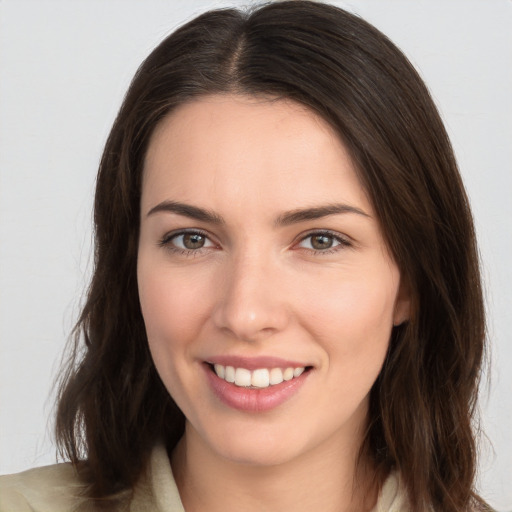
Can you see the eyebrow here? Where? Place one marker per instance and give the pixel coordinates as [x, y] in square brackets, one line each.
[285, 219]
[304, 214]
[187, 210]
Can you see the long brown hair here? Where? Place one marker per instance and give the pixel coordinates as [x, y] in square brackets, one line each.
[112, 405]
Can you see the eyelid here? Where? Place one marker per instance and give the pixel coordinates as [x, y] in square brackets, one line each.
[344, 240]
[166, 240]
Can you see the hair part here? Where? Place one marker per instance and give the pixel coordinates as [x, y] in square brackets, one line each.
[112, 405]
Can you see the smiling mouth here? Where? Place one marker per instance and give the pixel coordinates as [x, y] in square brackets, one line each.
[260, 378]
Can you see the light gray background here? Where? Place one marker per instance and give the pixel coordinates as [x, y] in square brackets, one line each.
[64, 67]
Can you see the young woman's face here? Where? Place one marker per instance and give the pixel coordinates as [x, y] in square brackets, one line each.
[261, 260]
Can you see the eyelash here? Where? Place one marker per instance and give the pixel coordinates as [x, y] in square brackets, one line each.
[342, 242]
[166, 242]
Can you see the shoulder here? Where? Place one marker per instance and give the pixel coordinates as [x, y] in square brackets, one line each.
[59, 488]
[393, 495]
[50, 488]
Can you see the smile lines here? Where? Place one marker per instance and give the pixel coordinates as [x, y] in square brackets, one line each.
[260, 378]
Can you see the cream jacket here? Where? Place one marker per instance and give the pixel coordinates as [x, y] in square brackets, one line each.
[57, 489]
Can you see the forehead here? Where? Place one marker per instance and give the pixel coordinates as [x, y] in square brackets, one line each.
[234, 148]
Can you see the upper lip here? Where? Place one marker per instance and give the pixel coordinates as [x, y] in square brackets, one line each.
[254, 363]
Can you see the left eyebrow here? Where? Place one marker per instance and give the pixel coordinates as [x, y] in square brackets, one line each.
[318, 212]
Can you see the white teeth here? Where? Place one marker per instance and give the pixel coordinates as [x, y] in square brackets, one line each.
[297, 372]
[276, 376]
[260, 378]
[288, 374]
[219, 370]
[242, 377]
[229, 374]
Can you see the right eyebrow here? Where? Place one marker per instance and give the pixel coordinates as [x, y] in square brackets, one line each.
[187, 210]
[317, 212]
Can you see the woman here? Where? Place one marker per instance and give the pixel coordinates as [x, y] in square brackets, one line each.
[286, 306]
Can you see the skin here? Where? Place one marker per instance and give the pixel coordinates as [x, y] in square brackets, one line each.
[259, 287]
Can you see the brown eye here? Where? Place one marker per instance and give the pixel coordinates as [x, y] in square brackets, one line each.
[190, 241]
[193, 240]
[322, 242]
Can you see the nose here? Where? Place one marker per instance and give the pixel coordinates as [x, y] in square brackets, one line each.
[251, 304]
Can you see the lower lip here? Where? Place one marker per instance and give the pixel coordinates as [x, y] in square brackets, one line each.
[254, 400]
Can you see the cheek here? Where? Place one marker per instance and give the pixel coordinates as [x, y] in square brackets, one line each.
[173, 308]
[355, 304]
[352, 319]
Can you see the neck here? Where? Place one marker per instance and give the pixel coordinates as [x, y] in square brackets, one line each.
[321, 479]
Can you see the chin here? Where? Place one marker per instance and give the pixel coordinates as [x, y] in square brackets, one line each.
[257, 445]
[259, 454]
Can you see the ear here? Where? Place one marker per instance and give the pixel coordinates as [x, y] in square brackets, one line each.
[402, 310]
